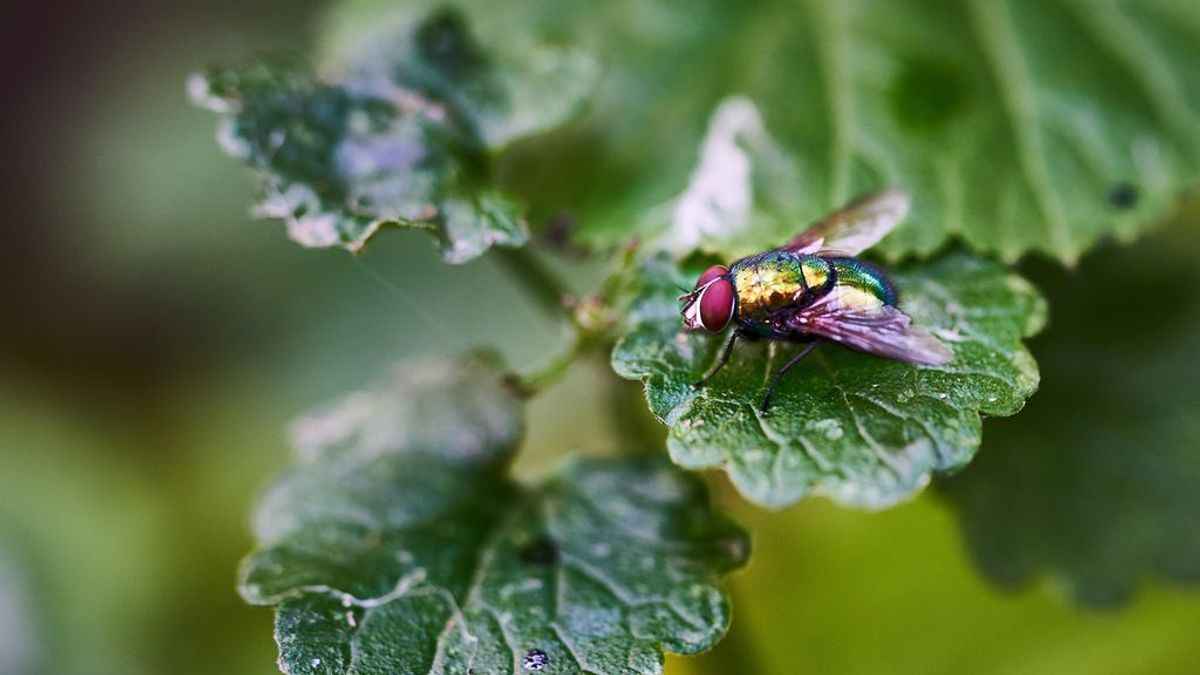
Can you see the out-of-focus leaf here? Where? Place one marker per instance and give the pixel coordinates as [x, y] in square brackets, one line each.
[402, 546]
[499, 95]
[20, 640]
[743, 178]
[1018, 125]
[1096, 486]
[457, 411]
[402, 132]
[833, 590]
[864, 430]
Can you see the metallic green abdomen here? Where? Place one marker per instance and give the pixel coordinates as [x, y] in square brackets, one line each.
[859, 277]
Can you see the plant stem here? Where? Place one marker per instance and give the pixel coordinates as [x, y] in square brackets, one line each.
[543, 285]
[589, 317]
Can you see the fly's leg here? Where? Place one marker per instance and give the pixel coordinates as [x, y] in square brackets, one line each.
[720, 362]
[779, 373]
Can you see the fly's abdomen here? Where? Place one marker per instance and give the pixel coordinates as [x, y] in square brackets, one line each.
[860, 285]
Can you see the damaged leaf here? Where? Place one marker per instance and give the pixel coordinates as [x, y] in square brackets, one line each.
[402, 133]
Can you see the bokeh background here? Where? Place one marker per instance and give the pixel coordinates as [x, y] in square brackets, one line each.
[155, 341]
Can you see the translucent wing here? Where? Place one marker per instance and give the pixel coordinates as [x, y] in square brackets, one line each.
[855, 227]
[882, 330]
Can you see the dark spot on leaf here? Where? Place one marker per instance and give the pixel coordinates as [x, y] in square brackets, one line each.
[927, 95]
[542, 551]
[536, 659]
[1123, 196]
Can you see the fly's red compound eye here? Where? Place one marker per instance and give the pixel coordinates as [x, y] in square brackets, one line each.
[710, 274]
[716, 305]
[710, 306]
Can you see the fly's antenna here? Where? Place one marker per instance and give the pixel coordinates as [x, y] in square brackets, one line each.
[407, 299]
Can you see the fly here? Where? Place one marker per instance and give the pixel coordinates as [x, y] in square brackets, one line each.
[813, 289]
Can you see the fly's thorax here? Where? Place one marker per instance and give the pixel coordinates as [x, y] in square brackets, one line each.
[772, 281]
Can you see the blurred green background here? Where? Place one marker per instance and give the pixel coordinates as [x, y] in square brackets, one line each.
[156, 341]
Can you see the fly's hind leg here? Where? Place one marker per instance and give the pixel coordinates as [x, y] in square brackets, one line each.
[779, 373]
[720, 362]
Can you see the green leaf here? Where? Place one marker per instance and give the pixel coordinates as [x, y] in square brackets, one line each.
[863, 430]
[1017, 125]
[19, 613]
[499, 96]
[401, 132]
[402, 546]
[1095, 488]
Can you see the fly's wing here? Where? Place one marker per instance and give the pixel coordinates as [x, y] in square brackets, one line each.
[882, 330]
[855, 227]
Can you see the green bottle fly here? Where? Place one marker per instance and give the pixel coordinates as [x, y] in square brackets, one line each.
[813, 289]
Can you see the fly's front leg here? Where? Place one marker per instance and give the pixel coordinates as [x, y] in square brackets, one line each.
[720, 362]
[779, 373]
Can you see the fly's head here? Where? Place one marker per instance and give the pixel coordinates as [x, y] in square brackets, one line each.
[710, 306]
